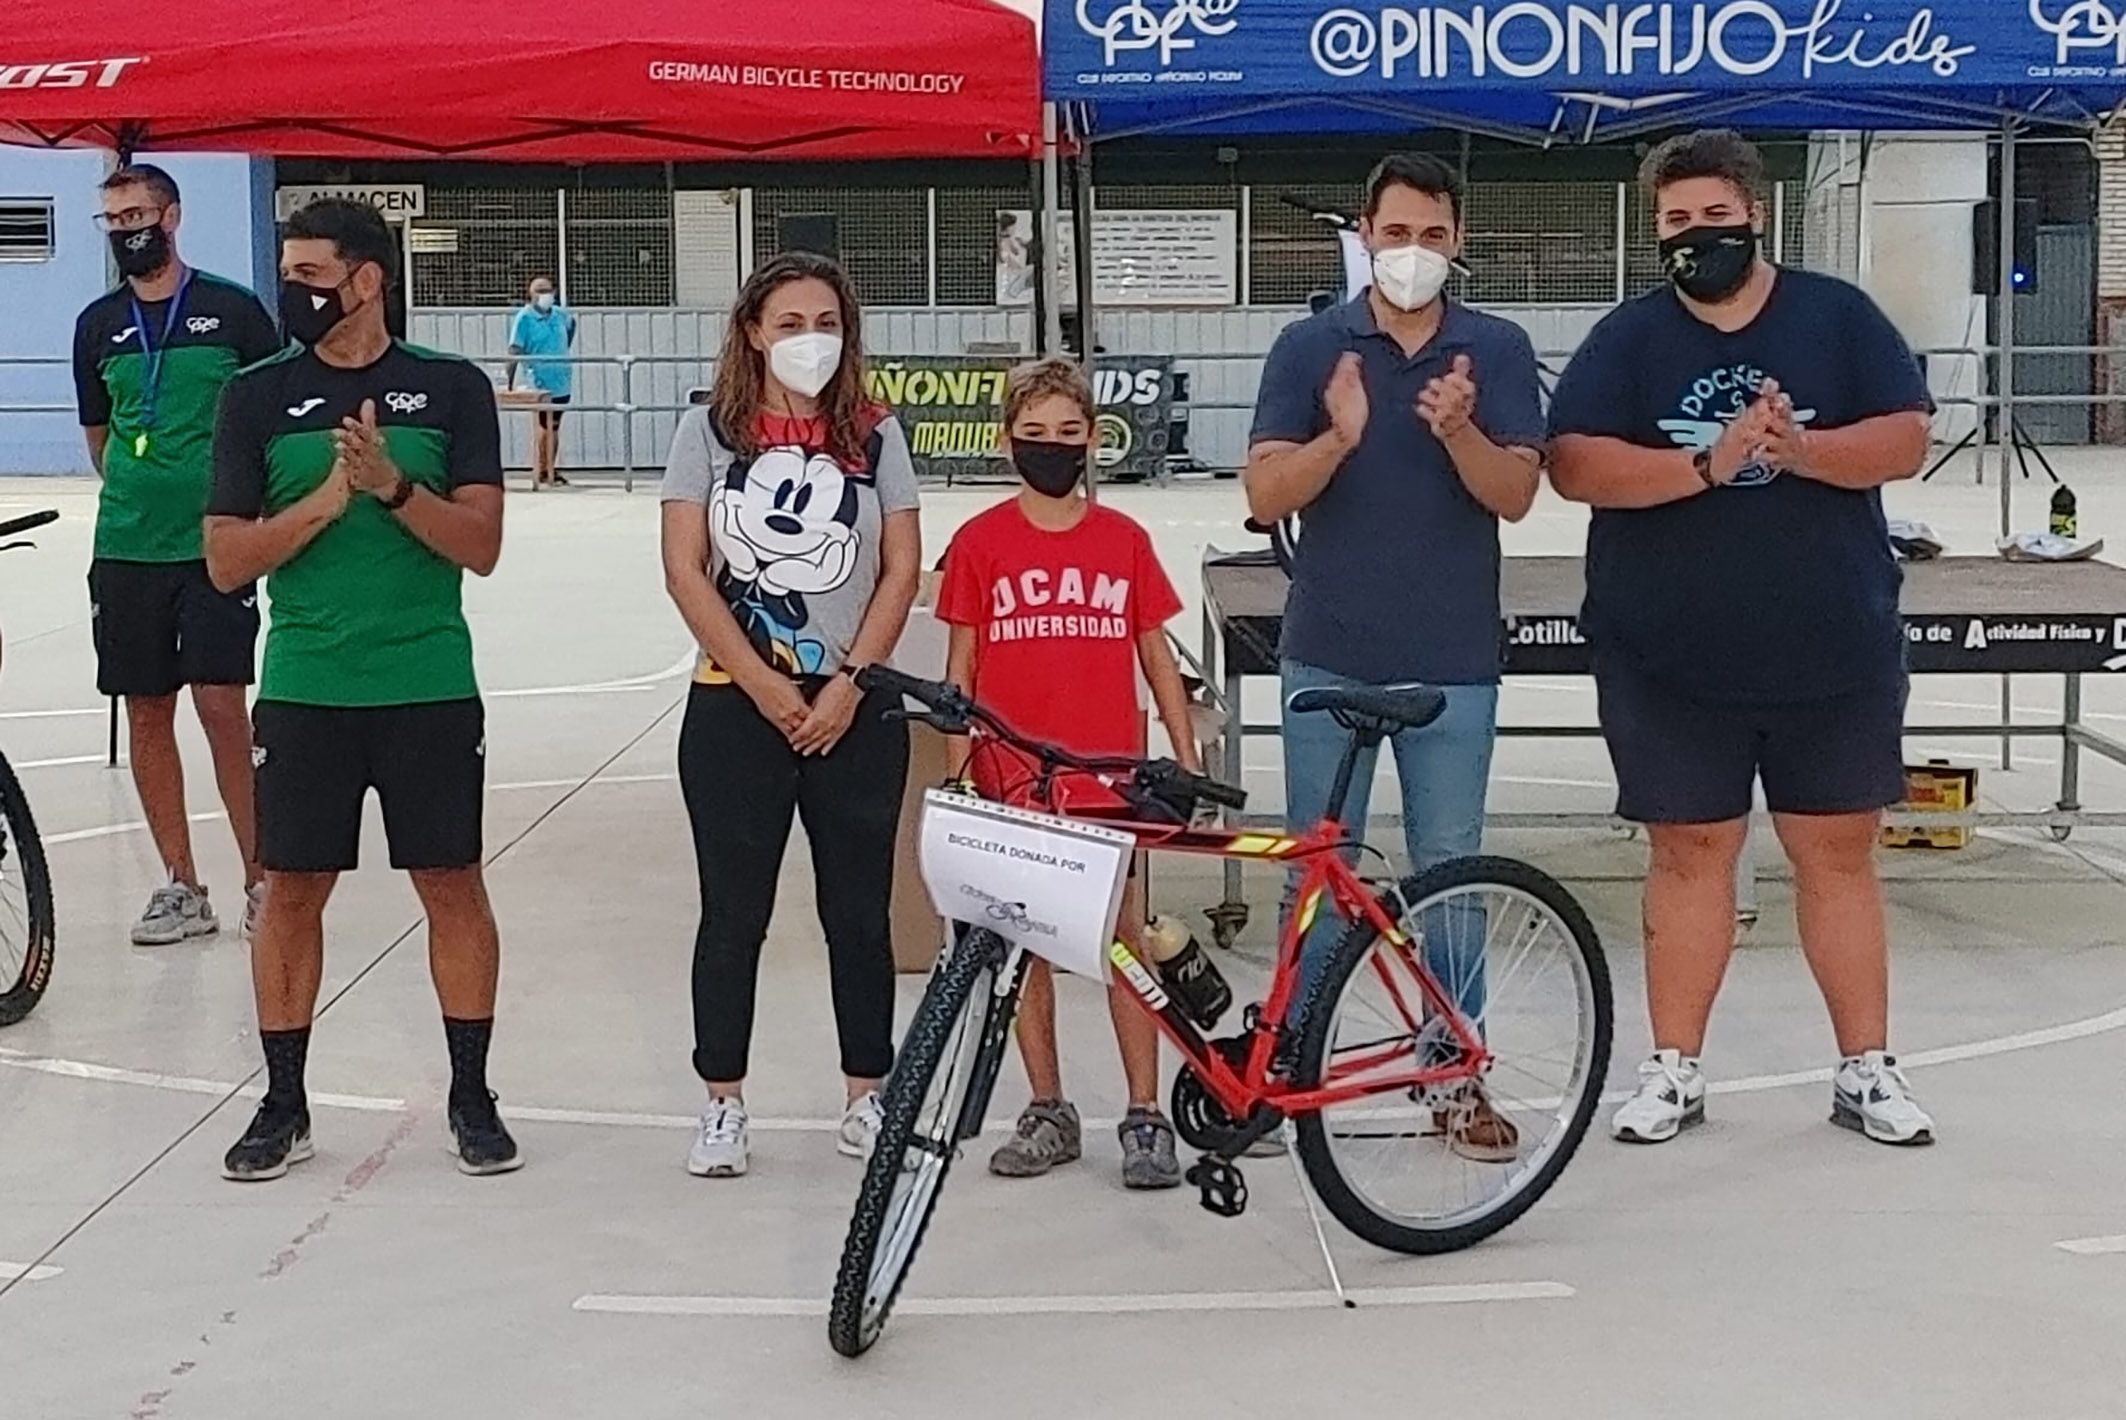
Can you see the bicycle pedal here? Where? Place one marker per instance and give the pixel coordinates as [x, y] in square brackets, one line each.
[1221, 1187]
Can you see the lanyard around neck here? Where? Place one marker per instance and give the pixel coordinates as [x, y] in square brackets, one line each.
[155, 351]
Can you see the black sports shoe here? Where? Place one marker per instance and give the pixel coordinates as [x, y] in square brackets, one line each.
[479, 1139]
[278, 1137]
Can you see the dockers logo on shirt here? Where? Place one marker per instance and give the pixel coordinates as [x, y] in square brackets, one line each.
[1037, 605]
[1710, 403]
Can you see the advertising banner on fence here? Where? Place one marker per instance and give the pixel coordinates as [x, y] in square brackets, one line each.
[1050, 885]
[952, 405]
[1184, 257]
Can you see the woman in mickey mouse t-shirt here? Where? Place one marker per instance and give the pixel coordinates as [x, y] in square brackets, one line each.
[792, 548]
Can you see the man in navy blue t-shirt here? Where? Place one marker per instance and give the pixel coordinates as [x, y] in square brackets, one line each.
[1401, 427]
[1732, 432]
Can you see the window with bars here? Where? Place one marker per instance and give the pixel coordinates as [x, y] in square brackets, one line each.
[1291, 253]
[967, 241]
[25, 229]
[619, 246]
[1541, 243]
[498, 239]
[882, 234]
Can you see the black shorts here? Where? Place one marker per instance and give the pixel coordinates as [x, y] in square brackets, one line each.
[317, 763]
[551, 418]
[161, 626]
[1681, 760]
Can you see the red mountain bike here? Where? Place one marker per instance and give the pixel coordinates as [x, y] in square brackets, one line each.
[1472, 993]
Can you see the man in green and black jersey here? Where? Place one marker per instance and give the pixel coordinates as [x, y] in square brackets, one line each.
[362, 477]
[150, 360]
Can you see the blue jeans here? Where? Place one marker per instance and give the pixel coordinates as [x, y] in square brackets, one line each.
[1444, 770]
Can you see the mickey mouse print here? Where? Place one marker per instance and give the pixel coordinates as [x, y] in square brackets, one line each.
[793, 533]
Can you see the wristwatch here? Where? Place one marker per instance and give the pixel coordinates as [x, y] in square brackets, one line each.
[851, 671]
[399, 495]
[1702, 462]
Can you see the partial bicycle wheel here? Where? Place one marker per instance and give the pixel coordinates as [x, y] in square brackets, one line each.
[933, 1102]
[1439, 1169]
[26, 926]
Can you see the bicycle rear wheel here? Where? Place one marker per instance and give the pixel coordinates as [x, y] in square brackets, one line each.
[933, 1101]
[1408, 1169]
[26, 926]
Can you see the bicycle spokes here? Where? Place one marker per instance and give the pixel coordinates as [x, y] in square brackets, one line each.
[1468, 1031]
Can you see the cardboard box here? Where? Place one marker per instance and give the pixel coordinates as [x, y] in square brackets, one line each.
[918, 931]
[1935, 787]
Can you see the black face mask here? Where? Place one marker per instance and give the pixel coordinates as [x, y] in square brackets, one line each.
[308, 313]
[1710, 264]
[142, 251]
[1049, 469]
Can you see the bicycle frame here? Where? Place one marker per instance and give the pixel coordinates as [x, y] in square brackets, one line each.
[1326, 879]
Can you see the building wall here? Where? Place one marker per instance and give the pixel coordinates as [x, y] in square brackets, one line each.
[1914, 241]
[2110, 419]
[227, 229]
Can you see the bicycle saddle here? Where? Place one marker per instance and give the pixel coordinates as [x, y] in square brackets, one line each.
[1406, 707]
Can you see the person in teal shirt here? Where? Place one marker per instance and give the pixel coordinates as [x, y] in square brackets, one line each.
[544, 327]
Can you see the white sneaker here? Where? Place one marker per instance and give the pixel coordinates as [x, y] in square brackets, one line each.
[1869, 1094]
[175, 912]
[1671, 1098]
[861, 1122]
[254, 904]
[720, 1147]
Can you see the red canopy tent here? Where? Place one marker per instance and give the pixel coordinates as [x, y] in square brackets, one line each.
[531, 80]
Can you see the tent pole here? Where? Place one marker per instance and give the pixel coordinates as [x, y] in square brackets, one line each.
[1051, 235]
[1082, 276]
[2005, 322]
[2004, 433]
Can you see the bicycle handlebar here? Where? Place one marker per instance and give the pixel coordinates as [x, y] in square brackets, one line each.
[32, 520]
[952, 710]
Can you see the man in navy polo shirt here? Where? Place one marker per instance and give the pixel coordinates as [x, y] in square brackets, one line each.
[1401, 427]
[1733, 431]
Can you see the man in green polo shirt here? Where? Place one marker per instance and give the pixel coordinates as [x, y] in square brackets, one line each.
[362, 477]
[150, 360]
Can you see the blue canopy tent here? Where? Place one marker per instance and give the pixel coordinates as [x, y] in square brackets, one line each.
[1549, 72]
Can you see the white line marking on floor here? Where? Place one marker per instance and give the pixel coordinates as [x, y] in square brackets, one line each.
[57, 763]
[627, 1119]
[51, 714]
[2093, 1247]
[1555, 783]
[82, 835]
[10, 1271]
[1122, 1303]
[682, 666]
[679, 667]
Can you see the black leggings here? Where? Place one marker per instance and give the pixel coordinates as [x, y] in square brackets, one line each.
[741, 780]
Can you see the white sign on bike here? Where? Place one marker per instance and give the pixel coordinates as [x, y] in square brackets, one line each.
[1050, 885]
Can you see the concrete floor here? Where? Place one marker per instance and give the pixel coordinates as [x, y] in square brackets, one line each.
[1767, 1265]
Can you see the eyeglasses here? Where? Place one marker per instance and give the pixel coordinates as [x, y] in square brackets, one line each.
[130, 219]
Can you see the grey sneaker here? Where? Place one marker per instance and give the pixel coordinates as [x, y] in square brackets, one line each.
[175, 911]
[1148, 1151]
[1047, 1135]
[254, 904]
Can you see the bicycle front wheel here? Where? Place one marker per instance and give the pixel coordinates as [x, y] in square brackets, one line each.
[1443, 1166]
[932, 1102]
[26, 930]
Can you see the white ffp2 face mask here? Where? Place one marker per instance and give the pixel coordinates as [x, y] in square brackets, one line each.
[1411, 277]
[806, 363]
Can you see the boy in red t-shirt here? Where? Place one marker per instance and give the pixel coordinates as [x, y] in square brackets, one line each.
[1056, 606]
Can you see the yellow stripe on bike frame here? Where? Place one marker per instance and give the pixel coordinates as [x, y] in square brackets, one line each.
[1307, 910]
[1260, 845]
